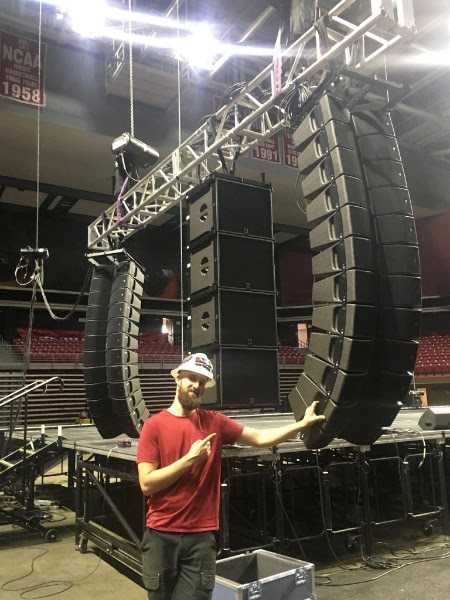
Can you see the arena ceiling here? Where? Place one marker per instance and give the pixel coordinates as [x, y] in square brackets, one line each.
[422, 116]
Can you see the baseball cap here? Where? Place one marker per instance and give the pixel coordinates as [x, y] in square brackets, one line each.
[197, 363]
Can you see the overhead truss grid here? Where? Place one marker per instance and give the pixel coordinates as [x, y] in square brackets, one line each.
[255, 113]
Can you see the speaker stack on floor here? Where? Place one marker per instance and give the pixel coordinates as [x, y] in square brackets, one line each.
[232, 290]
[111, 372]
[366, 290]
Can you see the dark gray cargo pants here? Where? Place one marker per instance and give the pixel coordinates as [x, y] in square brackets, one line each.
[179, 566]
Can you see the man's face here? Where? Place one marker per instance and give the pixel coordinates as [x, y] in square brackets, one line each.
[190, 389]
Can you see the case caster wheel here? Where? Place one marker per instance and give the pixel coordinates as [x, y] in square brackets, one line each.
[82, 545]
[428, 529]
[50, 535]
[351, 542]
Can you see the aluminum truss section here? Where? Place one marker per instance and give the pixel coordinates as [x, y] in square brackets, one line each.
[254, 114]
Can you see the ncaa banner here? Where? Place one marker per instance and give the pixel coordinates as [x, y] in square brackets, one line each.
[19, 69]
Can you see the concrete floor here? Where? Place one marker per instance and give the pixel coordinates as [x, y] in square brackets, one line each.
[87, 576]
[428, 580]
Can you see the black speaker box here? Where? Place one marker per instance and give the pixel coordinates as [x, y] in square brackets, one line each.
[95, 376]
[435, 417]
[235, 262]
[366, 290]
[344, 190]
[234, 318]
[328, 108]
[245, 378]
[229, 205]
[122, 332]
[339, 162]
[351, 253]
[349, 220]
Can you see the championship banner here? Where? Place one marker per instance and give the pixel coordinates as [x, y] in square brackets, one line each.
[19, 69]
[290, 154]
[268, 150]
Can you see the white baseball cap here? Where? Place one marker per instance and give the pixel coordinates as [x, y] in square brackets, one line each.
[196, 363]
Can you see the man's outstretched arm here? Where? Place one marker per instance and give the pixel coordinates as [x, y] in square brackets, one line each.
[271, 437]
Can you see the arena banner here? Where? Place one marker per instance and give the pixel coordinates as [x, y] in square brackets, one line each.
[267, 150]
[19, 69]
[290, 154]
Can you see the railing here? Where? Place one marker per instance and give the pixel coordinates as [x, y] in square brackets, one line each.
[29, 388]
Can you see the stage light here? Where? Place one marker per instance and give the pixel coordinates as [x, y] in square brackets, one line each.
[85, 10]
[135, 151]
[196, 45]
[199, 50]
[431, 58]
[88, 17]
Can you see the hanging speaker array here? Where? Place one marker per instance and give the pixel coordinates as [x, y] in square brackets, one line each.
[111, 373]
[366, 290]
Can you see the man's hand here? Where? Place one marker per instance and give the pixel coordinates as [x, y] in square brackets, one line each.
[310, 417]
[200, 450]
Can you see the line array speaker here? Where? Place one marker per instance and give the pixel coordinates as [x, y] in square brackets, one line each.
[366, 290]
[232, 289]
[111, 374]
[98, 399]
[122, 332]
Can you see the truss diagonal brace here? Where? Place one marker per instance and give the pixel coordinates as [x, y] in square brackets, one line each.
[253, 115]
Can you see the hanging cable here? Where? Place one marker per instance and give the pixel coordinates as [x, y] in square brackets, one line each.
[130, 52]
[23, 269]
[179, 183]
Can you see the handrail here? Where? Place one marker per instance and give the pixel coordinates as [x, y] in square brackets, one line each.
[27, 389]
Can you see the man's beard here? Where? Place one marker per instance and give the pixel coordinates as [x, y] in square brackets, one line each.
[188, 401]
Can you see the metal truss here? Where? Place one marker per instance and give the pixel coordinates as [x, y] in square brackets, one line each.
[254, 114]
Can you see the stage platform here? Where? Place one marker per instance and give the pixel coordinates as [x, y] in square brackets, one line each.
[86, 439]
[273, 497]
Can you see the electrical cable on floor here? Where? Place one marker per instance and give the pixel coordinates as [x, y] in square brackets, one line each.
[25, 591]
[388, 572]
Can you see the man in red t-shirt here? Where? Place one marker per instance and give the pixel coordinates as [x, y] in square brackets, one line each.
[179, 463]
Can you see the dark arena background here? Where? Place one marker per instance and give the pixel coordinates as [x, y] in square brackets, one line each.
[268, 183]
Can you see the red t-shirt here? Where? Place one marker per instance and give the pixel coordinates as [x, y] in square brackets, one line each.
[192, 502]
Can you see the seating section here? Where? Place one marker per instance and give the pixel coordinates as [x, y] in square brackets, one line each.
[67, 346]
[154, 344]
[47, 345]
[433, 357]
[291, 355]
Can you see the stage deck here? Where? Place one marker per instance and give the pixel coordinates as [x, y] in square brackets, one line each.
[86, 439]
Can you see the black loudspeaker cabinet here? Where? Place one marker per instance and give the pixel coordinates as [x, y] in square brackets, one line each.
[232, 205]
[94, 359]
[121, 348]
[234, 318]
[245, 378]
[366, 290]
[233, 261]
[435, 417]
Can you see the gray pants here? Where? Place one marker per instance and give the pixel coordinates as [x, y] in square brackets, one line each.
[178, 566]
